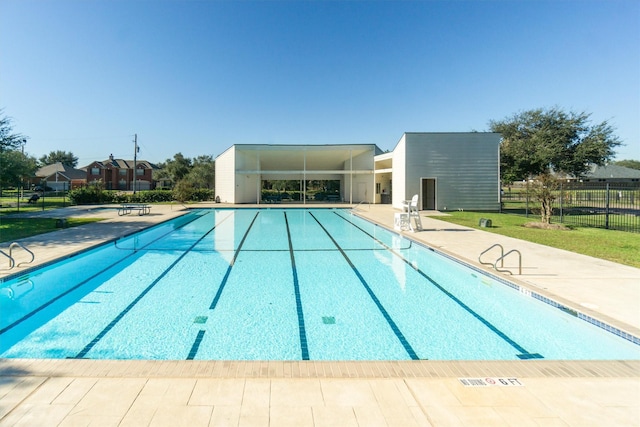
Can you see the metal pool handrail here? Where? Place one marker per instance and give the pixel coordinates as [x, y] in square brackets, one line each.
[487, 250]
[12, 262]
[16, 244]
[501, 259]
[361, 202]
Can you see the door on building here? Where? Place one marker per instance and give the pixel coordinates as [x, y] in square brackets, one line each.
[429, 194]
[361, 194]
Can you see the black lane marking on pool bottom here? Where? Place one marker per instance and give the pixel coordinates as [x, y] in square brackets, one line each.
[196, 345]
[524, 354]
[296, 288]
[85, 281]
[110, 326]
[375, 299]
[233, 261]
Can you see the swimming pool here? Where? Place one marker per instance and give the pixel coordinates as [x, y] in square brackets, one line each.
[282, 284]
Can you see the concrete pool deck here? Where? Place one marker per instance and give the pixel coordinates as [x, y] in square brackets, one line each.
[299, 393]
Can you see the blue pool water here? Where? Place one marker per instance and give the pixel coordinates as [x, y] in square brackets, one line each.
[282, 284]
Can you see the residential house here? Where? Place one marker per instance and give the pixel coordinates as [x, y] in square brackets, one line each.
[120, 174]
[60, 177]
[612, 173]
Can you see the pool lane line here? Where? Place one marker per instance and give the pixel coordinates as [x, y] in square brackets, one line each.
[296, 288]
[110, 326]
[196, 345]
[524, 354]
[233, 261]
[375, 299]
[83, 282]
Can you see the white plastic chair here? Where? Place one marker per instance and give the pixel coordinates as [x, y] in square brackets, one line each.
[412, 209]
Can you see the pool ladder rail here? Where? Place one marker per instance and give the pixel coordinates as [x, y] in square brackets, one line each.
[12, 261]
[501, 259]
[361, 203]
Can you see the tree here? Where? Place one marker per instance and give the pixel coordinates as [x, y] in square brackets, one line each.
[8, 139]
[66, 158]
[543, 142]
[15, 167]
[174, 169]
[203, 172]
[632, 164]
[14, 164]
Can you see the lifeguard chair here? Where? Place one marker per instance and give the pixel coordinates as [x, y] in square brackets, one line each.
[402, 221]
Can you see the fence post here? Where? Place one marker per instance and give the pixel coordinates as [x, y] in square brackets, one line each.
[526, 211]
[606, 209]
[561, 200]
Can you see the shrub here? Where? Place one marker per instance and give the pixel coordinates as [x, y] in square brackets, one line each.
[90, 195]
[94, 195]
[153, 196]
[202, 195]
[183, 191]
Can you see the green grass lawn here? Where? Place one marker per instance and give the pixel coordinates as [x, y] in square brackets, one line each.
[12, 229]
[617, 246]
[9, 205]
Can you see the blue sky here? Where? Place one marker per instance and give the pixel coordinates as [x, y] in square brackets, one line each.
[199, 76]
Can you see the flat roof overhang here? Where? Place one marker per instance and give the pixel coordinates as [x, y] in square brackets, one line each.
[320, 159]
[308, 172]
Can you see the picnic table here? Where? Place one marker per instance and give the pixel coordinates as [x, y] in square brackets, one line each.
[127, 208]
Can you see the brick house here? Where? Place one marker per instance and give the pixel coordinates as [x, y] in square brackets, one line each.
[118, 174]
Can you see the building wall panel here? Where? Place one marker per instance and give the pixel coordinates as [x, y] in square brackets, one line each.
[466, 166]
[226, 176]
[398, 175]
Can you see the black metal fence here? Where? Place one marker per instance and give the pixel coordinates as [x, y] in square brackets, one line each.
[614, 206]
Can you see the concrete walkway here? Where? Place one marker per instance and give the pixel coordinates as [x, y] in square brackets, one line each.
[298, 393]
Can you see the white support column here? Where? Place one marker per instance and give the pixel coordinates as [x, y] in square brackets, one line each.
[259, 173]
[351, 176]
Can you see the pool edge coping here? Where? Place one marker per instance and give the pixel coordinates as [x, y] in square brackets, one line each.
[234, 369]
[596, 318]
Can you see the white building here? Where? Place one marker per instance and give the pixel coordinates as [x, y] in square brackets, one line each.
[449, 171]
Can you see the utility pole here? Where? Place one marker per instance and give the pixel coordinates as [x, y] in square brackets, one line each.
[135, 160]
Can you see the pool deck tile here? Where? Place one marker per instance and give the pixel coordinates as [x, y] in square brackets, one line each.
[372, 393]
